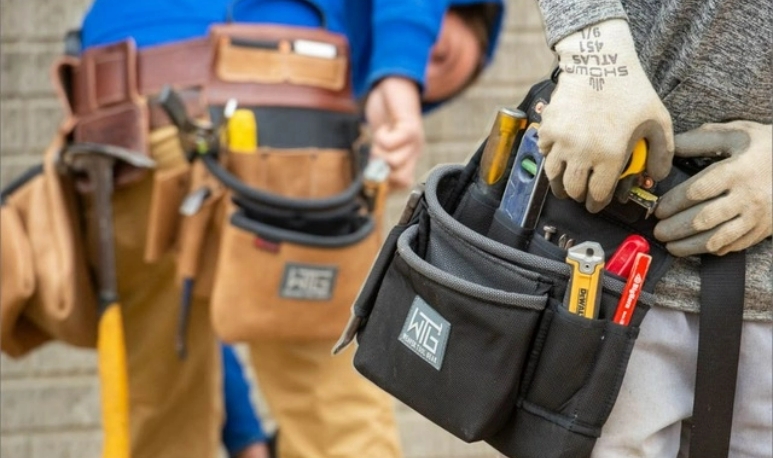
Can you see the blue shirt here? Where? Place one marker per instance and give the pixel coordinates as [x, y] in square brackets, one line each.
[387, 37]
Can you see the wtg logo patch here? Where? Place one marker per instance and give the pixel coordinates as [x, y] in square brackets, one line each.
[425, 332]
[302, 281]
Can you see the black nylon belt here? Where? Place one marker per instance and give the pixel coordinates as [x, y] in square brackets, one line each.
[723, 281]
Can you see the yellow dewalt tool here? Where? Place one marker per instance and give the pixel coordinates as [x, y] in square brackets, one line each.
[587, 261]
[242, 132]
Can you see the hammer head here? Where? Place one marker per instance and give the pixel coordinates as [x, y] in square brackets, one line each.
[90, 162]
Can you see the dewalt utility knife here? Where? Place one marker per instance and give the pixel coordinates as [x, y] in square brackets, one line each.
[587, 261]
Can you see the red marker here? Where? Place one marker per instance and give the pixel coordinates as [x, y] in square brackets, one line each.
[632, 290]
[622, 260]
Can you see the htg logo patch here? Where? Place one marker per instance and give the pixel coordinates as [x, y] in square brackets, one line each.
[302, 281]
[425, 332]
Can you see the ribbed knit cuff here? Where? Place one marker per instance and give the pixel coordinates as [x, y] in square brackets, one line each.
[564, 17]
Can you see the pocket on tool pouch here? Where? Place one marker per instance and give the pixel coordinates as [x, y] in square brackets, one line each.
[450, 348]
[169, 189]
[294, 172]
[276, 283]
[570, 385]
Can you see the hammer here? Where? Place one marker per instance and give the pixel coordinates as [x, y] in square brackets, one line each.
[96, 163]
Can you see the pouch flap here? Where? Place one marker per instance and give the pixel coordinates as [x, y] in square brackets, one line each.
[282, 66]
[244, 61]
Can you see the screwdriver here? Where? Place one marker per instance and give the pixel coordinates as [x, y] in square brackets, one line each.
[242, 132]
[492, 176]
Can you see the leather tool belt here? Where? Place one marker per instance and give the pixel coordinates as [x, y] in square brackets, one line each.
[294, 265]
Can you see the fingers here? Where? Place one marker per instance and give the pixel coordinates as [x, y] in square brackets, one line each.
[734, 235]
[400, 147]
[577, 180]
[554, 171]
[706, 185]
[402, 163]
[699, 218]
[660, 149]
[390, 138]
[403, 177]
[692, 245]
[601, 187]
[751, 238]
[711, 140]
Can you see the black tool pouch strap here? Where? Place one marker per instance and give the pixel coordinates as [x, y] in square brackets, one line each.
[721, 318]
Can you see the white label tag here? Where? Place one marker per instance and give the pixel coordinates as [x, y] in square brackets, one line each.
[315, 49]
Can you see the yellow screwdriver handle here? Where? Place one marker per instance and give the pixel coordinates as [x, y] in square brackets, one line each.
[638, 160]
[114, 383]
[242, 132]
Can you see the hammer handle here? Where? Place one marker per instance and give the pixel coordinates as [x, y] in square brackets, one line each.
[114, 383]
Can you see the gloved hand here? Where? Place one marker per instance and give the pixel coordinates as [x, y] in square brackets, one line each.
[727, 206]
[603, 104]
[393, 110]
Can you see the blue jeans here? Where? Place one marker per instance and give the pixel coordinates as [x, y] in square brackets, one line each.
[242, 426]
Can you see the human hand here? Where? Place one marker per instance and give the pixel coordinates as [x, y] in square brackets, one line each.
[727, 206]
[257, 450]
[603, 104]
[393, 110]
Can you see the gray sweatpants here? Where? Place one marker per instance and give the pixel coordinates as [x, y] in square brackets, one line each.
[651, 416]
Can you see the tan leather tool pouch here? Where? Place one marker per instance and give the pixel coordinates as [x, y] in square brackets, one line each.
[46, 287]
[297, 236]
[267, 288]
[294, 251]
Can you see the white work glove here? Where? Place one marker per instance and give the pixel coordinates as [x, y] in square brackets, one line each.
[603, 104]
[393, 110]
[727, 206]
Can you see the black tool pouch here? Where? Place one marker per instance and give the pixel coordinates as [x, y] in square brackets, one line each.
[473, 334]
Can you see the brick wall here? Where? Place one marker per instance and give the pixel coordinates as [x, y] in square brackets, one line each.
[49, 400]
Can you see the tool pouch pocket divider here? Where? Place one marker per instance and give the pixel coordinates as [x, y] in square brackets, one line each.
[473, 334]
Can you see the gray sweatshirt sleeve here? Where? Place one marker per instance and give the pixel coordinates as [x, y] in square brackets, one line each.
[564, 17]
